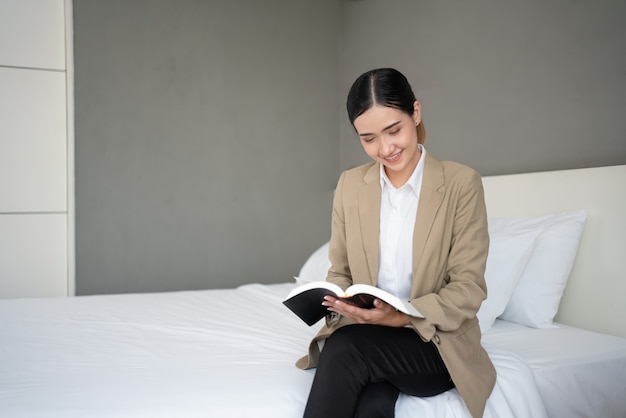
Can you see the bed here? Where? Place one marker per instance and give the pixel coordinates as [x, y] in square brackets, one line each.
[213, 353]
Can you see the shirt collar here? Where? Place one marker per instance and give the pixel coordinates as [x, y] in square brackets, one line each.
[414, 181]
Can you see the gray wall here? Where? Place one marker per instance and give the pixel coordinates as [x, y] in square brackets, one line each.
[206, 140]
[209, 134]
[507, 86]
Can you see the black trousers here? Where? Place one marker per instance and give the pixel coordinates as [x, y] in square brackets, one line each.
[363, 368]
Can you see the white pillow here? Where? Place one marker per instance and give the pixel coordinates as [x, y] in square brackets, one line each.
[535, 300]
[316, 266]
[509, 252]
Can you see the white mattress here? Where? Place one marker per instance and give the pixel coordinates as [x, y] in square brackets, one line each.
[214, 353]
[579, 373]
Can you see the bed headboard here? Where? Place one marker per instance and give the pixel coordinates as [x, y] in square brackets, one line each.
[596, 291]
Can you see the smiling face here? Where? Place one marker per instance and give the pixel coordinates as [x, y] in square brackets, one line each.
[389, 136]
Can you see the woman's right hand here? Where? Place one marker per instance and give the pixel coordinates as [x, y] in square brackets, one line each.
[381, 314]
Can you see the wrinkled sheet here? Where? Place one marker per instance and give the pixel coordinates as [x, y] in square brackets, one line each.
[579, 373]
[213, 353]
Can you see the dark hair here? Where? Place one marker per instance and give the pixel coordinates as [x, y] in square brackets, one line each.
[385, 87]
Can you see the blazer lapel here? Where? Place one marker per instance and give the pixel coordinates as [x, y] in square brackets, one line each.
[368, 196]
[431, 196]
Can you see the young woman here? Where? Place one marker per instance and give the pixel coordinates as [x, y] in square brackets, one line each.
[417, 227]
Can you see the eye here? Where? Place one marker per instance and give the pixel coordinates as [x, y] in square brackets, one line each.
[394, 132]
[369, 139]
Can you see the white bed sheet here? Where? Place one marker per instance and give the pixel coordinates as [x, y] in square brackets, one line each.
[579, 373]
[213, 353]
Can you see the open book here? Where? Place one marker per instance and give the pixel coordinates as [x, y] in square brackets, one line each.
[306, 300]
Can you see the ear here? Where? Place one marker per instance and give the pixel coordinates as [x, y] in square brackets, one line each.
[417, 112]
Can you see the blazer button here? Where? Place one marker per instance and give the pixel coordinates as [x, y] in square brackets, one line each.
[436, 338]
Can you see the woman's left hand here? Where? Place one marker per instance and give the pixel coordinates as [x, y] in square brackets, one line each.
[381, 314]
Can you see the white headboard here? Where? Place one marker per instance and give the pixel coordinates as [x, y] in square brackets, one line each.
[595, 296]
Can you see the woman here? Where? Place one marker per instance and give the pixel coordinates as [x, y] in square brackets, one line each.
[417, 227]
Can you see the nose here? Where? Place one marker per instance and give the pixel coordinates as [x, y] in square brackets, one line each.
[386, 146]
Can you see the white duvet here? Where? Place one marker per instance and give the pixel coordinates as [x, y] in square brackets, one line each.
[213, 353]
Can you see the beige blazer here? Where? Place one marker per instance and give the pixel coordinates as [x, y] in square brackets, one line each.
[450, 245]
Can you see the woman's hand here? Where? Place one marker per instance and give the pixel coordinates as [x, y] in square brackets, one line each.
[381, 314]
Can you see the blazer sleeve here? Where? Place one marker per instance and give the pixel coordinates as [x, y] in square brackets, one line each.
[466, 240]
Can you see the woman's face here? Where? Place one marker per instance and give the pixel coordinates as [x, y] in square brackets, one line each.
[389, 136]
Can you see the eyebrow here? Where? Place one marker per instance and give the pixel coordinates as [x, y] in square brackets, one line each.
[386, 128]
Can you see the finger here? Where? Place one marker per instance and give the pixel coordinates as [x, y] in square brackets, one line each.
[383, 306]
[329, 301]
[334, 304]
[347, 309]
[341, 307]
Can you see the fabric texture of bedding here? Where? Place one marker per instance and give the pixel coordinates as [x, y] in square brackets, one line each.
[187, 354]
[535, 300]
[579, 373]
[509, 253]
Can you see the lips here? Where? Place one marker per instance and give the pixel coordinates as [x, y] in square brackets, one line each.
[393, 158]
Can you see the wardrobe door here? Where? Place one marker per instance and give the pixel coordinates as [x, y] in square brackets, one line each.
[32, 33]
[36, 146]
[33, 260]
[33, 141]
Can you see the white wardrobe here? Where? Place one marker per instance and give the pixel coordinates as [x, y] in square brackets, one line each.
[36, 149]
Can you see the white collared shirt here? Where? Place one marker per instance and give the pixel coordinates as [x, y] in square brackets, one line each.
[398, 209]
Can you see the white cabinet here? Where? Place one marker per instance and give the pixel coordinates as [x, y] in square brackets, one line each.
[33, 141]
[32, 33]
[36, 149]
[34, 255]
